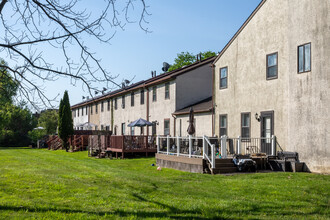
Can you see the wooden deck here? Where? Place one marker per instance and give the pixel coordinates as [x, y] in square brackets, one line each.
[132, 144]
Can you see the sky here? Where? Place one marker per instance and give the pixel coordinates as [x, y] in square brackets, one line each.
[175, 26]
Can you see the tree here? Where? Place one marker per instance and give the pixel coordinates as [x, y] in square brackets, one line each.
[49, 121]
[8, 86]
[183, 59]
[65, 123]
[15, 123]
[186, 58]
[30, 27]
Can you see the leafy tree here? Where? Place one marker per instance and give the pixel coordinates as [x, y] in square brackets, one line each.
[48, 120]
[15, 123]
[186, 58]
[65, 123]
[8, 87]
[36, 135]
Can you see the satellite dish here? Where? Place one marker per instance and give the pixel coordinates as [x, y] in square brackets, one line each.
[166, 66]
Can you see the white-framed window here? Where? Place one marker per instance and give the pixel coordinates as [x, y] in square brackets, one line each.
[304, 58]
[223, 77]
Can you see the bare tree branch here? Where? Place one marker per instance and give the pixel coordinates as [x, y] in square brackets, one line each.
[28, 26]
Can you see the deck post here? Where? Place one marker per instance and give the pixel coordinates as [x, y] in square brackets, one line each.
[213, 155]
[273, 145]
[223, 146]
[204, 146]
[157, 143]
[168, 144]
[178, 144]
[239, 145]
[190, 145]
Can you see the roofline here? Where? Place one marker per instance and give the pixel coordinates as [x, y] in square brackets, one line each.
[149, 82]
[239, 30]
[197, 111]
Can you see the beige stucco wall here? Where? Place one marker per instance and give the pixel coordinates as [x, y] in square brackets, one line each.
[82, 118]
[162, 108]
[203, 124]
[309, 93]
[105, 116]
[95, 117]
[300, 101]
[129, 113]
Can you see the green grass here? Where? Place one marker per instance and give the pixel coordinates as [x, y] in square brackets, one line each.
[44, 184]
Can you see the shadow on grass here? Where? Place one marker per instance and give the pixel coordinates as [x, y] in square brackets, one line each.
[173, 213]
[16, 148]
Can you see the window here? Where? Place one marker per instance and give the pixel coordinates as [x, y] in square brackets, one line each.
[96, 128]
[78, 112]
[86, 110]
[142, 97]
[96, 108]
[304, 58]
[91, 109]
[223, 77]
[74, 113]
[108, 105]
[82, 111]
[132, 98]
[167, 90]
[132, 131]
[123, 101]
[107, 128]
[102, 127]
[166, 126]
[245, 125]
[116, 104]
[223, 125]
[102, 106]
[122, 128]
[271, 66]
[154, 93]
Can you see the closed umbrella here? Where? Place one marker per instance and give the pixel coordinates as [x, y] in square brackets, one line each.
[191, 127]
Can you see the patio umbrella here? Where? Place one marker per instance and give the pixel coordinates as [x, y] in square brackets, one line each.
[191, 127]
[139, 123]
[87, 125]
[38, 128]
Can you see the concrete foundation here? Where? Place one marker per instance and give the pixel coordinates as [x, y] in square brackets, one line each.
[193, 165]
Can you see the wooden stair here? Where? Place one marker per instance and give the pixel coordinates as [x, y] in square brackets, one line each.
[223, 166]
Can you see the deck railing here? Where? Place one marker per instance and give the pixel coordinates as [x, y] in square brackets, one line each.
[130, 142]
[184, 146]
[222, 147]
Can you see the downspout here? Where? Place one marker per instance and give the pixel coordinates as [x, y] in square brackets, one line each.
[174, 124]
[147, 110]
[111, 117]
[213, 100]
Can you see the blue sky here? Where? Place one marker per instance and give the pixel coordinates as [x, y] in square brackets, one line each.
[176, 26]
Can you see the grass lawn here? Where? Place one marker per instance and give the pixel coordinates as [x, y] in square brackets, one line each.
[37, 183]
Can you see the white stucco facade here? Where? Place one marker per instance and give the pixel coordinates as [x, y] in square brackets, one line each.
[298, 102]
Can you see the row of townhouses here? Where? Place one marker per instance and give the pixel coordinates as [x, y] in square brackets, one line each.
[164, 100]
[272, 78]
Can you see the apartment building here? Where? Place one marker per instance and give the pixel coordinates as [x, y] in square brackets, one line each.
[272, 78]
[155, 100]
